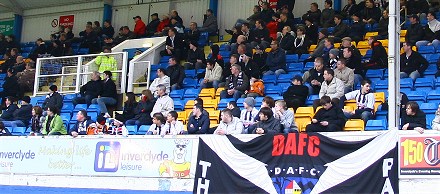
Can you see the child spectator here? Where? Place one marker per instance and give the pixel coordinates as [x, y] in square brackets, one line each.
[257, 88]
[172, 125]
[158, 124]
[37, 121]
[285, 116]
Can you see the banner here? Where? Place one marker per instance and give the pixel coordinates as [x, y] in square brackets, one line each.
[7, 27]
[296, 163]
[67, 21]
[419, 156]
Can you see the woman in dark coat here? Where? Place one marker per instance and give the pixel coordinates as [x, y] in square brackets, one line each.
[129, 108]
[143, 110]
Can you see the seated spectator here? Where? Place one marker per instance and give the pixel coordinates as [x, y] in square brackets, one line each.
[436, 121]
[196, 57]
[301, 43]
[286, 39]
[347, 43]
[176, 25]
[341, 29]
[333, 56]
[254, 17]
[247, 33]
[226, 69]
[432, 32]
[139, 27]
[164, 104]
[266, 12]
[364, 102]
[331, 86]
[357, 28]
[319, 50]
[276, 60]
[313, 15]
[2, 44]
[162, 79]
[241, 40]
[315, 76]
[162, 25]
[141, 113]
[417, 7]
[8, 112]
[198, 123]
[235, 32]
[328, 45]
[172, 125]
[175, 15]
[193, 35]
[285, 116]
[209, 22]
[128, 111]
[236, 84]
[349, 9]
[57, 34]
[382, 28]
[40, 49]
[327, 15]
[267, 123]
[370, 13]
[10, 58]
[413, 118]
[82, 124]
[249, 67]
[12, 44]
[53, 98]
[96, 26]
[108, 94]
[69, 33]
[107, 63]
[125, 34]
[23, 115]
[345, 74]
[89, 39]
[353, 62]
[107, 30]
[152, 26]
[272, 26]
[158, 124]
[232, 105]
[256, 88]
[100, 127]
[297, 93]
[26, 79]
[213, 75]
[311, 30]
[415, 31]
[260, 57]
[200, 102]
[260, 35]
[57, 49]
[327, 119]
[412, 63]
[3, 130]
[37, 121]
[215, 56]
[379, 57]
[285, 21]
[174, 45]
[229, 124]
[176, 73]
[92, 89]
[248, 114]
[54, 123]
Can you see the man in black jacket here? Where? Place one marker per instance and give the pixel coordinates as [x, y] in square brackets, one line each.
[286, 39]
[327, 119]
[315, 76]
[108, 95]
[261, 35]
[176, 73]
[23, 115]
[413, 118]
[90, 90]
[10, 86]
[196, 57]
[412, 63]
[296, 94]
[415, 32]
[341, 29]
[152, 26]
[174, 45]
[53, 99]
[8, 112]
[266, 12]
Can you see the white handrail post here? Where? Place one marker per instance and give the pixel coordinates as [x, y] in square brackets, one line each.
[78, 74]
[394, 65]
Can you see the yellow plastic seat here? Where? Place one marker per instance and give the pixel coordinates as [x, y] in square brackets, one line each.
[379, 97]
[354, 125]
[207, 92]
[351, 103]
[214, 115]
[181, 116]
[302, 122]
[217, 93]
[363, 45]
[402, 33]
[189, 104]
[312, 48]
[348, 108]
[337, 45]
[363, 51]
[371, 34]
[207, 104]
[304, 112]
[212, 125]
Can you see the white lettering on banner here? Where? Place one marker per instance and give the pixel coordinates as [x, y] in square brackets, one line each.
[200, 185]
[386, 166]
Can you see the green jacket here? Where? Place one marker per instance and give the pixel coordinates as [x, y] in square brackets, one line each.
[56, 125]
[107, 63]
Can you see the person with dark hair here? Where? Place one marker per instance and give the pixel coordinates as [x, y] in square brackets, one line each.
[10, 108]
[285, 21]
[327, 119]
[364, 101]
[213, 75]
[331, 86]
[172, 125]
[23, 115]
[142, 110]
[379, 56]
[382, 27]
[162, 79]
[139, 27]
[415, 31]
[89, 39]
[357, 28]
[286, 39]
[107, 30]
[198, 123]
[266, 12]
[232, 105]
[54, 123]
[229, 124]
[3, 130]
[260, 57]
[297, 93]
[412, 63]
[432, 32]
[174, 45]
[152, 26]
[314, 76]
[90, 90]
[313, 15]
[176, 72]
[158, 124]
[341, 29]
[272, 26]
[26, 79]
[107, 63]
[311, 30]
[53, 98]
[164, 104]
[193, 35]
[10, 86]
[345, 74]
[209, 22]
[254, 17]
[260, 35]
[12, 43]
[349, 9]
[82, 124]
[196, 57]
[268, 123]
[128, 111]
[236, 84]
[327, 15]
[37, 121]
[353, 61]
[96, 26]
[276, 60]
[215, 56]
[108, 95]
[285, 116]
[370, 14]
[413, 118]
[40, 48]
[302, 42]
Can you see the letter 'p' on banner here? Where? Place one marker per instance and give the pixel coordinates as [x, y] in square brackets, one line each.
[67, 20]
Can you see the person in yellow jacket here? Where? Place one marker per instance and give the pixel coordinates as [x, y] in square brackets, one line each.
[107, 63]
[257, 88]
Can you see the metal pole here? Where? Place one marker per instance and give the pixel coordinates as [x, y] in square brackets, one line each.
[394, 65]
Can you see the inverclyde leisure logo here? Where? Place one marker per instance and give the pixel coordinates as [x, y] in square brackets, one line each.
[107, 156]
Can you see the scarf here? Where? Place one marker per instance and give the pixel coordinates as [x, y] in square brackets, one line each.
[434, 25]
[239, 80]
[301, 42]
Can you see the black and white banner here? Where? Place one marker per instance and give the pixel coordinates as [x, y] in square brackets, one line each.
[296, 163]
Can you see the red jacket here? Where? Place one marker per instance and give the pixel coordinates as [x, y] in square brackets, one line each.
[162, 25]
[139, 28]
[272, 26]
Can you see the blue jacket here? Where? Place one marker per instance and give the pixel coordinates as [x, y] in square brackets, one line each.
[8, 114]
[76, 126]
[200, 126]
[276, 60]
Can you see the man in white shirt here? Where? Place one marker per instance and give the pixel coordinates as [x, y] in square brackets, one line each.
[164, 103]
[364, 101]
[229, 124]
[162, 79]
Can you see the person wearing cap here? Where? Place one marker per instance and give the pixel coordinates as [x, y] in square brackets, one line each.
[196, 57]
[333, 56]
[432, 32]
[174, 45]
[152, 26]
[345, 74]
[108, 95]
[10, 107]
[209, 22]
[327, 119]
[213, 75]
[229, 124]
[313, 15]
[327, 15]
[297, 93]
[82, 124]
[53, 124]
[412, 63]
[370, 14]
[346, 43]
[415, 31]
[341, 29]
[286, 40]
[53, 98]
[139, 27]
[357, 28]
[249, 113]
[276, 60]
[285, 116]
[23, 115]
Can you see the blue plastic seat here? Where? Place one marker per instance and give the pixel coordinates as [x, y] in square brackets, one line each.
[79, 107]
[429, 108]
[309, 65]
[418, 96]
[381, 85]
[376, 125]
[433, 58]
[19, 131]
[428, 49]
[424, 82]
[292, 67]
[406, 83]
[143, 129]
[94, 108]
[164, 59]
[433, 96]
[189, 83]
[190, 73]
[83, 51]
[311, 98]
[179, 105]
[285, 78]
[431, 70]
[177, 93]
[429, 118]
[269, 79]
[292, 58]
[67, 107]
[69, 97]
[191, 93]
[303, 57]
[223, 103]
[374, 73]
[132, 129]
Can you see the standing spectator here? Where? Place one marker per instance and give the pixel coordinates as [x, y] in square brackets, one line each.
[302, 42]
[176, 73]
[370, 14]
[382, 28]
[413, 118]
[232, 106]
[260, 35]
[249, 113]
[108, 94]
[327, 15]
[107, 63]
[256, 87]
[26, 79]
[82, 124]
[213, 75]
[3, 130]
[436, 121]
[143, 110]
[432, 32]
[236, 84]
[92, 89]
[364, 102]
[128, 111]
[331, 86]
[54, 123]
[297, 93]
[286, 39]
[158, 124]
[53, 98]
[267, 124]
[11, 43]
[311, 30]
[415, 31]
[266, 12]
[37, 121]
[196, 57]
[379, 55]
[315, 76]
[175, 15]
[285, 116]
[229, 124]
[349, 9]
[139, 27]
[172, 125]
[272, 26]
[174, 45]
[23, 115]
[162, 79]
[152, 26]
[8, 112]
[198, 123]
[341, 29]
[327, 119]
[108, 31]
[345, 74]
[313, 15]
[164, 103]
[209, 22]
[357, 29]
[276, 60]
[412, 63]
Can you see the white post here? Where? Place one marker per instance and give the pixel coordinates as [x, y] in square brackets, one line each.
[394, 65]
[124, 72]
[78, 74]
[37, 76]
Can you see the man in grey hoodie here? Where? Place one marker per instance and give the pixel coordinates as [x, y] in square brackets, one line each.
[229, 124]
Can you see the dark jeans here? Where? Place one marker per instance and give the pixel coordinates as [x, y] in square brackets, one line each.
[87, 99]
[135, 122]
[316, 127]
[237, 94]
